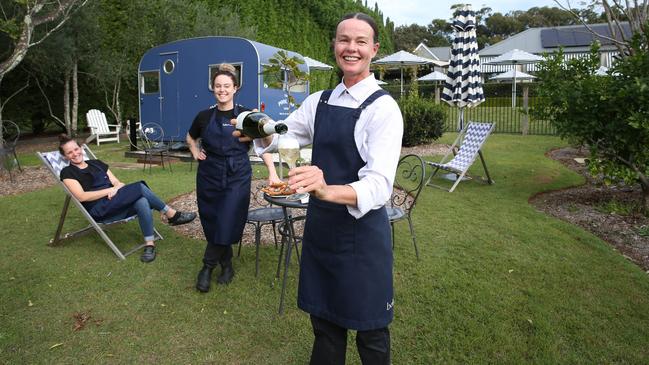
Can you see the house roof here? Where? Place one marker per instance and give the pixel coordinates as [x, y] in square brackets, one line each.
[574, 39]
[435, 53]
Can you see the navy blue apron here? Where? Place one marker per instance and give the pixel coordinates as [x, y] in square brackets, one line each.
[105, 208]
[223, 182]
[346, 266]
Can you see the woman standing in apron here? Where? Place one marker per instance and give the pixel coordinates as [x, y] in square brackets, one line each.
[107, 199]
[223, 177]
[356, 131]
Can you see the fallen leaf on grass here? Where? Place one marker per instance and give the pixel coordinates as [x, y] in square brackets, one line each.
[511, 271]
[80, 319]
[529, 320]
[29, 303]
[56, 345]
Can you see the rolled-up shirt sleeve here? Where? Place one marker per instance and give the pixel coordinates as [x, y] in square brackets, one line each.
[381, 147]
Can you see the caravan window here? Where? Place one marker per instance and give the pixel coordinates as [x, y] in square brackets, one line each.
[213, 68]
[169, 66]
[149, 82]
[274, 80]
[300, 87]
[280, 79]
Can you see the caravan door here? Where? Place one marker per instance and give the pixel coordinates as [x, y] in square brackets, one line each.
[169, 96]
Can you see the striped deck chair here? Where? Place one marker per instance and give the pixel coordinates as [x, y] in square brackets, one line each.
[472, 138]
[100, 130]
[55, 163]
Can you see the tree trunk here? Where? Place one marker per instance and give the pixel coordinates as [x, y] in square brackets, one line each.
[2, 141]
[75, 98]
[118, 107]
[644, 185]
[66, 103]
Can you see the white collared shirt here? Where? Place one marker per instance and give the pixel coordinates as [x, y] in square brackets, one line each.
[378, 133]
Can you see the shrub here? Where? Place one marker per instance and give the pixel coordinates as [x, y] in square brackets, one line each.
[423, 121]
[609, 114]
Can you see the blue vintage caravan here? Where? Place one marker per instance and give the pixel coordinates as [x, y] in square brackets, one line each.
[174, 81]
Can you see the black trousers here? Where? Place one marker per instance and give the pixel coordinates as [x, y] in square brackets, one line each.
[330, 344]
[217, 254]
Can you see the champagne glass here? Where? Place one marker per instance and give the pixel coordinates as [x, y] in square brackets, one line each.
[289, 151]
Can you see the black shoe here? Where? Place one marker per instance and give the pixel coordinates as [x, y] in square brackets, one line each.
[149, 254]
[204, 278]
[181, 218]
[227, 273]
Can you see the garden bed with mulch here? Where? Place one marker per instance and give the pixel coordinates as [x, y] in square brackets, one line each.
[605, 211]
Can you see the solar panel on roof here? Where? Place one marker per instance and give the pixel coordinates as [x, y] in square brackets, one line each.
[549, 38]
[578, 36]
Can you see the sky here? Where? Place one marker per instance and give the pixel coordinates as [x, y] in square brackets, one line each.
[422, 12]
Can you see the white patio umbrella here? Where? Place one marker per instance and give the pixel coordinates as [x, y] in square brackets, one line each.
[463, 86]
[514, 76]
[509, 75]
[402, 59]
[433, 76]
[437, 77]
[316, 65]
[381, 82]
[514, 57]
[601, 71]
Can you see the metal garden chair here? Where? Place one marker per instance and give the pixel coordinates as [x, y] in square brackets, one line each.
[408, 183]
[152, 136]
[8, 156]
[266, 214]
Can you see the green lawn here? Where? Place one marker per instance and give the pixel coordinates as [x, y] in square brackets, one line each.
[497, 282]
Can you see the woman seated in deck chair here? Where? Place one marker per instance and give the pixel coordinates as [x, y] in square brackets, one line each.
[107, 199]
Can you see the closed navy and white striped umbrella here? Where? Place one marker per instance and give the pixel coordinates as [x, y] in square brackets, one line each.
[463, 86]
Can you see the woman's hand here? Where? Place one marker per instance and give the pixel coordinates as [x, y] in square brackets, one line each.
[200, 156]
[273, 178]
[308, 179]
[112, 192]
[237, 133]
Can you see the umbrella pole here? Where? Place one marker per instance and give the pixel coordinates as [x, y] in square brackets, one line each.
[460, 120]
[514, 89]
[401, 80]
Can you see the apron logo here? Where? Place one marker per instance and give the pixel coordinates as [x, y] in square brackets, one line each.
[390, 305]
[227, 125]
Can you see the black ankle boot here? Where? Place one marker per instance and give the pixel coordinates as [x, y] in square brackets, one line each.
[204, 279]
[227, 273]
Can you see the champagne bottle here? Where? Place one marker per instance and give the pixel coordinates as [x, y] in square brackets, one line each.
[258, 125]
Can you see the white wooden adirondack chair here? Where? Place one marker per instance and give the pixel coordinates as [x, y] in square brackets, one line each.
[100, 129]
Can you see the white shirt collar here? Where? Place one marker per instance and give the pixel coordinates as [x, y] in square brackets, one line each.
[360, 91]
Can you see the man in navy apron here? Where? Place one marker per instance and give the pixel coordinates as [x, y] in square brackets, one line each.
[346, 271]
